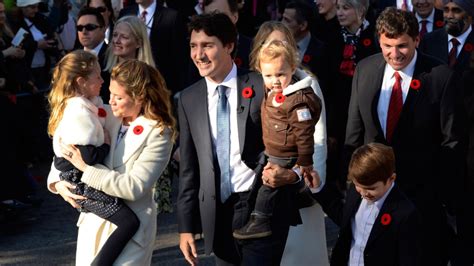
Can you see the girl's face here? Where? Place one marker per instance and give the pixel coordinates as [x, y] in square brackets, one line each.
[92, 84]
[124, 44]
[123, 105]
[276, 73]
[346, 14]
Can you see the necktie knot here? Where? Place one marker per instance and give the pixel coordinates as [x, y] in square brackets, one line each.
[397, 76]
[455, 42]
[143, 16]
[221, 89]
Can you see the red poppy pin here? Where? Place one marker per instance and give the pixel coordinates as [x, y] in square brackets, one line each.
[247, 93]
[468, 47]
[238, 61]
[306, 58]
[415, 84]
[280, 98]
[101, 112]
[367, 42]
[138, 130]
[386, 219]
[439, 23]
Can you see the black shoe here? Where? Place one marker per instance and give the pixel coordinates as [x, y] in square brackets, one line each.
[257, 227]
[305, 199]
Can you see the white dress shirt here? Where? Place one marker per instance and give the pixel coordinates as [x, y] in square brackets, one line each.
[96, 50]
[409, 5]
[386, 91]
[361, 225]
[241, 176]
[461, 38]
[150, 12]
[303, 46]
[429, 19]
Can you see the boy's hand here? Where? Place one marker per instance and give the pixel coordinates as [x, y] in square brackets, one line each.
[311, 176]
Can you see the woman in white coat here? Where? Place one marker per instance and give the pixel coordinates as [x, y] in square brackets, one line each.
[306, 243]
[142, 130]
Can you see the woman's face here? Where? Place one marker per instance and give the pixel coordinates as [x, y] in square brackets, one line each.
[92, 84]
[99, 4]
[30, 11]
[123, 106]
[124, 44]
[347, 15]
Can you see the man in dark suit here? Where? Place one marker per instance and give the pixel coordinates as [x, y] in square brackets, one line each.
[221, 152]
[429, 18]
[167, 34]
[298, 16]
[91, 32]
[453, 44]
[378, 223]
[402, 98]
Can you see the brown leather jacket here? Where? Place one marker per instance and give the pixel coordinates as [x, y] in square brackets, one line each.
[288, 128]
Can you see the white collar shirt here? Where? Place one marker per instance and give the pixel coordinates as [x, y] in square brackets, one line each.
[96, 50]
[386, 91]
[150, 11]
[241, 176]
[461, 38]
[429, 19]
[361, 225]
[303, 45]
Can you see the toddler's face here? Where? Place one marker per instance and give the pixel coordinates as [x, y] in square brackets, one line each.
[276, 73]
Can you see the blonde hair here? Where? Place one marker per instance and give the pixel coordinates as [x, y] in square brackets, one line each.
[276, 49]
[262, 35]
[139, 33]
[64, 84]
[144, 82]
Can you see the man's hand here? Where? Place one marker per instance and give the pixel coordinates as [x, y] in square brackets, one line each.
[276, 176]
[188, 247]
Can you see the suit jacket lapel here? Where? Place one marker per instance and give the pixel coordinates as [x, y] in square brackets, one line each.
[376, 86]
[389, 206]
[200, 114]
[243, 108]
[136, 135]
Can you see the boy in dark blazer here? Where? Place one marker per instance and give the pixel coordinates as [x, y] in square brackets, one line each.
[378, 224]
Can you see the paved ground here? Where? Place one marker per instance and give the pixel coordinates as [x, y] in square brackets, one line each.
[47, 235]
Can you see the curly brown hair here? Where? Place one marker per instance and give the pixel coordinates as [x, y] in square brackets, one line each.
[395, 22]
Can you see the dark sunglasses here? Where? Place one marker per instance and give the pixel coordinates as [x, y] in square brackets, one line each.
[101, 9]
[88, 27]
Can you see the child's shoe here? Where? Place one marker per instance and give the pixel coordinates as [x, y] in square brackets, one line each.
[257, 227]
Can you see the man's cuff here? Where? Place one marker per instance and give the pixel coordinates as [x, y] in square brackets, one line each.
[297, 170]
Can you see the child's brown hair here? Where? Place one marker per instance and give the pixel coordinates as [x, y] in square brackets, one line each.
[371, 163]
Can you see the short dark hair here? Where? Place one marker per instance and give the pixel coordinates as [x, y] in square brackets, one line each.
[371, 163]
[233, 5]
[108, 5]
[215, 24]
[93, 12]
[395, 22]
[304, 12]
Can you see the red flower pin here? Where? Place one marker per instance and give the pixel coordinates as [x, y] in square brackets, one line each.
[439, 23]
[247, 93]
[415, 84]
[367, 42]
[101, 112]
[238, 61]
[306, 58]
[386, 219]
[138, 130]
[468, 47]
[280, 98]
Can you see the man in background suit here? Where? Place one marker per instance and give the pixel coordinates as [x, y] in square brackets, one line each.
[221, 161]
[167, 34]
[91, 32]
[453, 44]
[402, 98]
[299, 17]
[429, 18]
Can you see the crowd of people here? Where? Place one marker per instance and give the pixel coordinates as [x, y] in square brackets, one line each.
[278, 112]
